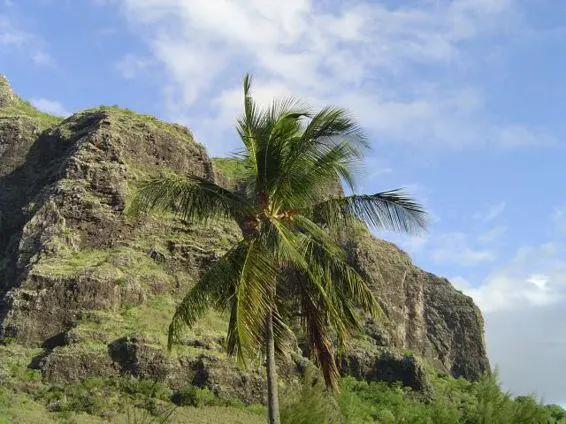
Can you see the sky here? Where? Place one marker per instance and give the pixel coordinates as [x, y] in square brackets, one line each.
[462, 100]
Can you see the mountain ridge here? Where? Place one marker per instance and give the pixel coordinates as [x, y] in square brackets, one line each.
[79, 278]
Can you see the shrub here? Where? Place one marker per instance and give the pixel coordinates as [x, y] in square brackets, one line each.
[195, 396]
[455, 401]
[310, 404]
[145, 388]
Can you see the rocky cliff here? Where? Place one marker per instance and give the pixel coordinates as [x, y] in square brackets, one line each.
[89, 291]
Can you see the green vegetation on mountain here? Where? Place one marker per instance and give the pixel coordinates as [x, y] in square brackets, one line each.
[15, 108]
[232, 168]
[87, 294]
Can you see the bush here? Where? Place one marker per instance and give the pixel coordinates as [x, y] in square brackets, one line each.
[556, 413]
[105, 397]
[145, 388]
[4, 397]
[455, 401]
[311, 404]
[195, 396]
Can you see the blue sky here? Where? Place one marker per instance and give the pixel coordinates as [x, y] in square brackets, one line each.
[462, 99]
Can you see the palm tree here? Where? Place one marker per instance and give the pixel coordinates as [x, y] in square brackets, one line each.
[291, 158]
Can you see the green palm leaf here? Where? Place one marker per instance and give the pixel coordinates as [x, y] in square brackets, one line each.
[193, 198]
[214, 290]
[388, 210]
[253, 298]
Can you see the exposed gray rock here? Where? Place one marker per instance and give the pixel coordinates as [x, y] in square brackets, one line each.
[73, 267]
[423, 312]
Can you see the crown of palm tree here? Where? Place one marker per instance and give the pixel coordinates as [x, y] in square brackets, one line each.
[291, 158]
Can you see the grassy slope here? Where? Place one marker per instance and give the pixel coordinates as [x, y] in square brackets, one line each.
[21, 409]
[24, 398]
[24, 109]
[232, 168]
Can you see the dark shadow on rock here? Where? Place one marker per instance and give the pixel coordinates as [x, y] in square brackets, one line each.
[22, 193]
[37, 360]
[48, 346]
[54, 341]
[386, 367]
[135, 357]
[119, 352]
[23, 185]
[201, 373]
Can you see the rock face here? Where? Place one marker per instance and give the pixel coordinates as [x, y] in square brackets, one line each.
[424, 314]
[73, 189]
[96, 288]
[20, 125]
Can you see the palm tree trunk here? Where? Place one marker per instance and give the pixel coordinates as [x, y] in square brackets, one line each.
[272, 390]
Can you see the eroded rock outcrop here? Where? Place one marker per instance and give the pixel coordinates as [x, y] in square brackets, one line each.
[424, 314]
[96, 289]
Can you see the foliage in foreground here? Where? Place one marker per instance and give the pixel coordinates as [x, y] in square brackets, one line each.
[97, 400]
[451, 401]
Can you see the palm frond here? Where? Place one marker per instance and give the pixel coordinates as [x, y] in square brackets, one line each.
[346, 288]
[333, 123]
[193, 307]
[329, 127]
[314, 177]
[324, 155]
[193, 198]
[281, 123]
[283, 334]
[318, 237]
[318, 339]
[287, 245]
[333, 297]
[247, 125]
[214, 290]
[253, 298]
[389, 210]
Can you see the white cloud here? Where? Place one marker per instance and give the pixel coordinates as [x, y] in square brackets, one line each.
[457, 248]
[131, 66]
[50, 106]
[520, 136]
[528, 345]
[42, 58]
[460, 283]
[376, 172]
[415, 244]
[534, 277]
[10, 35]
[524, 306]
[492, 235]
[491, 212]
[360, 55]
[14, 38]
[539, 280]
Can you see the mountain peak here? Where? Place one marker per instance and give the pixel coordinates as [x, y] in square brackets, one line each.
[6, 93]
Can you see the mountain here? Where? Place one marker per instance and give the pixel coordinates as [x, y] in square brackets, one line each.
[87, 291]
